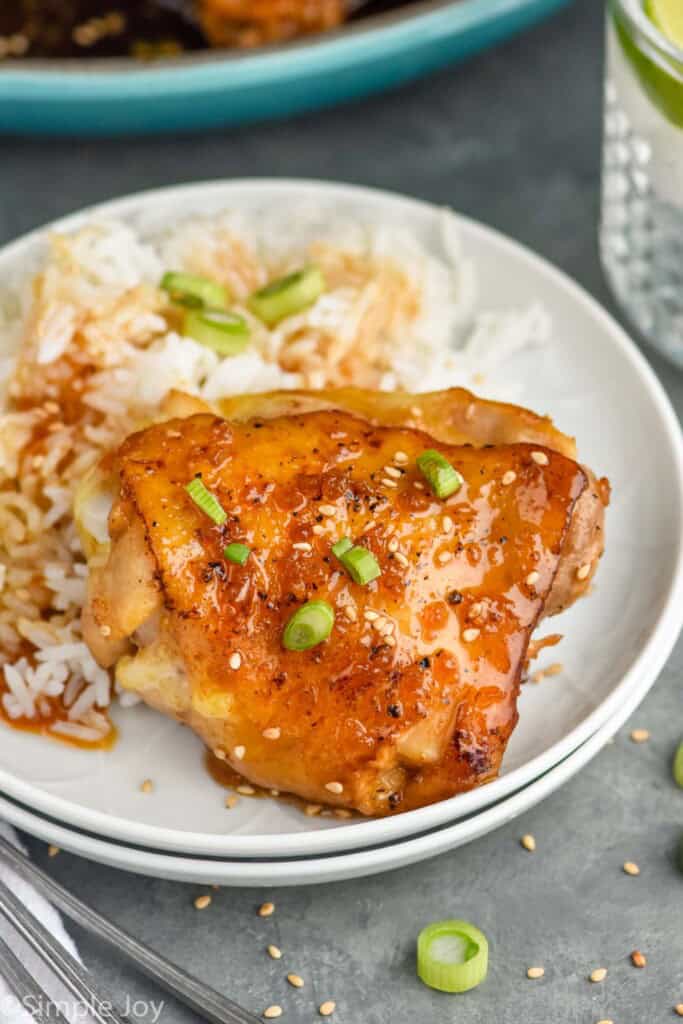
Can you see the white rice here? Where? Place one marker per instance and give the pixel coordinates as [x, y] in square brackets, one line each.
[394, 315]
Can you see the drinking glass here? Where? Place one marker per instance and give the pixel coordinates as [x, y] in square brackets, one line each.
[641, 232]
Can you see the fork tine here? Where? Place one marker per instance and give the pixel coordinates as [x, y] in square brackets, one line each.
[27, 990]
[63, 965]
[201, 998]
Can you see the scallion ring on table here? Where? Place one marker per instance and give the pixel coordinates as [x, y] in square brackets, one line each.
[452, 956]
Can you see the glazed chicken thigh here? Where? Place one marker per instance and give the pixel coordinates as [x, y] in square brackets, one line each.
[412, 697]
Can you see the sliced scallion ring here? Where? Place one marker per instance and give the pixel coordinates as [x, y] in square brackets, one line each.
[308, 626]
[443, 478]
[226, 333]
[194, 291]
[288, 295]
[361, 565]
[452, 956]
[678, 766]
[341, 547]
[237, 553]
[206, 501]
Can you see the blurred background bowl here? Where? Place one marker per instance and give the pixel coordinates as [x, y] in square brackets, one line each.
[105, 96]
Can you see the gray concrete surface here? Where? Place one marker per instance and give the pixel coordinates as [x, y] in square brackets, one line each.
[513, 139]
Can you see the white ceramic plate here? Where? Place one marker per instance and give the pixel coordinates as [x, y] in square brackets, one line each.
[596, 385]
[333, 868]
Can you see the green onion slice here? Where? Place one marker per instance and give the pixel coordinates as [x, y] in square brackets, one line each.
[237, 553]
[194, 291]
[206, 501]
[226, 333]
[308, 626]
[288, 295]
[341, 547]
[360, 564]
[443, 478]
[678, 766]
[452, 956]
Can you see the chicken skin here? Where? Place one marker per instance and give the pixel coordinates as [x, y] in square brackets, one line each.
[412, 697]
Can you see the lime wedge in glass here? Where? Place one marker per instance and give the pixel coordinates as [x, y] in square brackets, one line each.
[660, 75]
[668, 17]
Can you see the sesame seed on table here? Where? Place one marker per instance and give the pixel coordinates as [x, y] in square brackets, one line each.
[484, 138]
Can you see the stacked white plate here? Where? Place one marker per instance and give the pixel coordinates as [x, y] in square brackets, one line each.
[595, 384]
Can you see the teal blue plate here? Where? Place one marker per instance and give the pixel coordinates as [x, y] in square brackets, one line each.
[107, 97]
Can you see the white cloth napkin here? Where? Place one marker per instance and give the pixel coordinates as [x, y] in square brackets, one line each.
[10, 1011]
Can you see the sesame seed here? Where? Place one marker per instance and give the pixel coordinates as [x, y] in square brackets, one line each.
[328, 1008]
[272, 1012]
[401, 458]
[334, 787]
[470, 634]
[275, 953]
[231, 801]
[393, 472]
[105, 630]
[370, 615]
[598, 975]
[239, 752]
[390, 641]
[219, 754]
[350, 613]
[528, 842]
[509, 477]
[630, 868]
[274, 792]
[379, 623]
[605, 1022]
[266, 909]
[342, 812]
[302, 545]
[389, 483]
[415, 410]
[295, 980]
[52, 850]
[444, 557]
[446, 524]
[327, 510]
[638, 959]
[554, 670]
[535, 972]
[312, 810]
[540, 458]
[235, 660]
[388, 629]
[271, 734]
[533, 578]
[418, 485]
[202, 902]
[318, 529]
[147, 786]
[393, 545]
[401, 559]
[583, 572]
[246, 791]
[640, 735]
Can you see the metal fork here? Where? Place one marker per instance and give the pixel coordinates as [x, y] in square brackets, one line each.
[26, 989]
[204, 1000]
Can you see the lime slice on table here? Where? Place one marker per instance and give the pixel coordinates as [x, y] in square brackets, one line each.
[662, 78]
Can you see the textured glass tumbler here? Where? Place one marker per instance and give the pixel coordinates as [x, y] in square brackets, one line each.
[641, 232]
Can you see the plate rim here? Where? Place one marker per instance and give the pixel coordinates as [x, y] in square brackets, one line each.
[655, 651]
[207, 72]
[342, 867]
